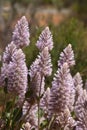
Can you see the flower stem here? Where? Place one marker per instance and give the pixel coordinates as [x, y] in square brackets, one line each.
[19, 110]
[51, 121]
[38, 115]
[39, 103]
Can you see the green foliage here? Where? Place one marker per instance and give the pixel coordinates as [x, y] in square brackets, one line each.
[71, 31]
[43, 124]
[31, 51]
[56, 3]
[11, 115]
[80, 9]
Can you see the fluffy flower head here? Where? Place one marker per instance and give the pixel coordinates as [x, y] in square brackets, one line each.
[45, 40]
[60, 91]
[67, 56]
[21, 33]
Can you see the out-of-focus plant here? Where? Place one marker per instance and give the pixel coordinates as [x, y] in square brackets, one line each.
[32, 105]
[57, 3]
[80, 9]
[72, 31]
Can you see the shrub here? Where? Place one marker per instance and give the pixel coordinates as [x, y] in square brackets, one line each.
[31, 105]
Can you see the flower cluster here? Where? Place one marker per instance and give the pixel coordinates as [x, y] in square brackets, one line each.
[21, 33]
[45, 40]
[67, 56]
[33, 105]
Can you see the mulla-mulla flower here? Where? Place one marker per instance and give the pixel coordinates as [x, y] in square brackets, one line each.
[14, 70]
[40, 69]
[31, 116]
[21, 33]
[67, 56]
[60, 91]
[81, 111]
[78, 84]
[45, 40]
[45, 101]
[6, 59]
[42, 64]
[9, 50]
[17, 76]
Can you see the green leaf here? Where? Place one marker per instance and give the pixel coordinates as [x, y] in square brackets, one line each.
[43, 124]
[5, 88]
[28, 94]
[9, 106]
[17, 114]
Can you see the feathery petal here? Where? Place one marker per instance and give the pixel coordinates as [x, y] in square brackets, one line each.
[41, 68]
[42, 64]
[60, 91]
[81, 110]
[31, 116]
[7, 55]
[37, 85]
[67, 56]
[17, 75]
[27, 126]
[85, 85]
[65, 119]
[45, 65]
[45, 40]
[44, 103]
[34, 68]
[78, 84]
[79, 127]
[4, 74]
[14, 70]
[21, 33]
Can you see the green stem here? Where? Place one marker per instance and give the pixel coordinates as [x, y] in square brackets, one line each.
[51, 121]
[39, 104]
[12, 108]
[23, 118]
[38, 115]
[18, 110]
[4, 104]
[5, 101]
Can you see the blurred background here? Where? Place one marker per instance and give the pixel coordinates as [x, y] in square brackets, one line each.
[67, 20]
